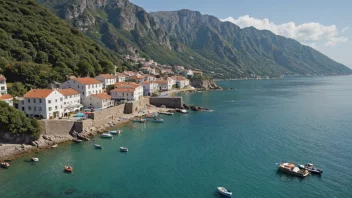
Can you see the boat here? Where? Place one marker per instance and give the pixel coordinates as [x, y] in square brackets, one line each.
[97, 146]
[292, 169]
[141, 120]
[68, 169]
[224, 191]
[123, 149]
[113, 132]
[311, 168]
[77, 140]
[119, 131]
[151, 115]
[158, 120]
[184, 111]
[54, 146]
[5, 165]
[167, 113]
[35, 159]
[106, 135]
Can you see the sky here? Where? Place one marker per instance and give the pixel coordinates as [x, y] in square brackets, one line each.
[325, 25]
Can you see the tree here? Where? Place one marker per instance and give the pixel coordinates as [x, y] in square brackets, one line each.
[85, 69]
[17, 89]
[109, 88]
[107, 66]
[15, 122]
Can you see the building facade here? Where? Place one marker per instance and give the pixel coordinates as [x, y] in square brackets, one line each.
[85, 86]
[7, 98]
[163, 85]
[149, 88]
[72, 101]
[106, 79]
[3, 86]
[98, 101]
[129, 91]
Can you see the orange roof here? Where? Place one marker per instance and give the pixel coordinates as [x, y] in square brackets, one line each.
[6, 97]
[178, 77]
[2, 77]
[121, 74]
[68, 92]
[126, 85]
[130, 90]
[38, 93]
[101, 96]
[87, 81]
[107, 76]
[160, 81]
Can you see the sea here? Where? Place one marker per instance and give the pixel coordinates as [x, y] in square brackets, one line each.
[253, 126]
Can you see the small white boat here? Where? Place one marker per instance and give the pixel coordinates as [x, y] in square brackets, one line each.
[123, 149]
[5, 165]
[113, 132]
[35, 159]
[77, 140]
[97, 146]
[184, 111]
[54, 146]
[224, 191]
[106, 135]
[119, 131]
[166, 113]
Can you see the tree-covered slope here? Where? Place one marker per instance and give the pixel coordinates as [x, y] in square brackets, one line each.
[248, 50]
[37, 47]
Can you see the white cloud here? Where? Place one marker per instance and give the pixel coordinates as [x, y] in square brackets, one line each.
[345, 29]
[304, 33]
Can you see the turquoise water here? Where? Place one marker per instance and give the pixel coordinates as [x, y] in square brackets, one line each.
[294, 119]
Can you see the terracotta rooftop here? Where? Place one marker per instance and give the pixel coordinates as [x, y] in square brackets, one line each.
[160, 81]
[68, 92]
[101, 96]
[87, 81]
[178, 77]
[130, 90]
[38, 93]
[121, 74]
[107, 76]
[126, 85]
[2, 77]
[6, 97]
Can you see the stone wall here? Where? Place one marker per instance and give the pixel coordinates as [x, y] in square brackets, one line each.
[57, 127]
[169, 102]
[136, 106]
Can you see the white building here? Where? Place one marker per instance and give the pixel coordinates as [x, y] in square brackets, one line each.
[171, 80]
[181, 82]
[164, 85]
[72, 100]
[85, 86]
[149, 88]
[120, 77]
[3, 87]
[42, 103]
[127, 91]
[189, 73]
[148, 77]
[98, 101]
[7, 98]
[106, 79]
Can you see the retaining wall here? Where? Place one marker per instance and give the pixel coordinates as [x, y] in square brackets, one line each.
[136, 106]
[57, 127]
[169, 102]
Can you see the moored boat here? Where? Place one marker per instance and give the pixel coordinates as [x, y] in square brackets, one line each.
[158, 120]
[106, 135]
[54, 146]
[5, 165]
[151, 115]
[184, 111]
[166, 113]
[311, 168]
[123, 149]
[68, 169]
[35, 159]
[97, 146]
[141, 120]
[224, 191]
[113, 132]
[77, 140]
[292, 169]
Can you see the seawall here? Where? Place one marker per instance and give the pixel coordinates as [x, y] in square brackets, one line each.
[168, 102]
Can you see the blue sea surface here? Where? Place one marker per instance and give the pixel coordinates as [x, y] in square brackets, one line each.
[295, 119]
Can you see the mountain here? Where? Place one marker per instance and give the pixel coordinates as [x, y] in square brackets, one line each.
[248, 51]
[37, 47]
[191, 39]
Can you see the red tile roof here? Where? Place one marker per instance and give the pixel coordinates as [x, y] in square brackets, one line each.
[2, 77]
[160, 81]
[129, 90]
[101, 96]
[126, 85]
[6, 97]
[38, 93]
[107, 76]
[87, 81]
[68, 92]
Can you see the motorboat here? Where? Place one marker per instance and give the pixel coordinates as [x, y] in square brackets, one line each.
[166, 113]
[68, 169]
[106, 135]
[113, 132]
[184, 111]
[77, 140]
[123, 149]
[97, 146]
[158, 120]
[224, 191]
[5, 165]
[141, 120]
[311, 168]
[54, 146]
[35, 159]
[292, 169]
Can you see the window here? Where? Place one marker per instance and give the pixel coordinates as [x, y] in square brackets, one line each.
[55, 107]
[40, 100]
[65, 97]
[29, 100]
[70, 96]
[34, 101]
[83, 93]
[49, 108]
[61, 99]
[55, 100]
[77, 86]
[22, 108]
[29, 108]
[40, 109]
[64, 103]
[2, 88]
[49, 101]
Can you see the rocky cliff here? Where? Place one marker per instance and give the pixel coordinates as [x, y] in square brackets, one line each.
[204, 84]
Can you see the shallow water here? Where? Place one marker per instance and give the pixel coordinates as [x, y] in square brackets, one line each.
[297, 120]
